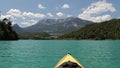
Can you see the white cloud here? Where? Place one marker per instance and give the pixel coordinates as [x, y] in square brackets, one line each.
[96, 9]
[14, 12]
[12, 18]
[69, 15]
[13, 23]
[5, 16]
[24, 19]
[50, 14]
[9, 17]
[30, 18]
[59, 14]
[33, 22]
[33, 15]
[40, 6]
[27, 23]
[65, 6]
[101, 18]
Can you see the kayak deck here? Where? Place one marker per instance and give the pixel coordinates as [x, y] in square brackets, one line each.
[68, 59]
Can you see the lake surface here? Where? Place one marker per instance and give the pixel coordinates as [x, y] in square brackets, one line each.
[46, 53]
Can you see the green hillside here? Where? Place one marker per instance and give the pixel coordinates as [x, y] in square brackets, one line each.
[97, 31]
[6, 32]
[34, 35]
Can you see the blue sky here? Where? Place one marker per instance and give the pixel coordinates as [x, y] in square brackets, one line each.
[28, 12]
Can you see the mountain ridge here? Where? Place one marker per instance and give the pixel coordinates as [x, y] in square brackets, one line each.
[58, 25]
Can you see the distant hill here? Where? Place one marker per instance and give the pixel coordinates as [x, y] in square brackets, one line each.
[6, 31]
[58, 25]
[18, 29]
[98, 31]
[29, 35]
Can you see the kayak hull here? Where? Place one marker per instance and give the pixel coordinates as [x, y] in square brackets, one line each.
[68, 58]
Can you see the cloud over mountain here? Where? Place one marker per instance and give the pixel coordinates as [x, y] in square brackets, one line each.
[24, 19]
[33, 15]
[14, 12]
[28, 23]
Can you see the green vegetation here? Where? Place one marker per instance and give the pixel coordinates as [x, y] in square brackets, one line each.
[41, 35]
[6, 32]
[97, 31]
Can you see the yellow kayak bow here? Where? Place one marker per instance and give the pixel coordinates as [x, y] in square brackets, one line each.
[68, 58]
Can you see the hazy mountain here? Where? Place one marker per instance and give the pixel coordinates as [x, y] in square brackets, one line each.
[18, 29]
[58, 25]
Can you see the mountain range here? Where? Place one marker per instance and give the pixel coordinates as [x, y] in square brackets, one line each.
[54, 26]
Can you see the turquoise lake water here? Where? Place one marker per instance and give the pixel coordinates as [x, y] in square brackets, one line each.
[46, 53]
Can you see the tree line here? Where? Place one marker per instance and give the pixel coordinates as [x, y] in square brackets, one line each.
[6, 31]
[97, 31]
